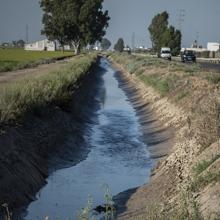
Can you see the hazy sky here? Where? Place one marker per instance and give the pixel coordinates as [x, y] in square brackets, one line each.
[200, 19]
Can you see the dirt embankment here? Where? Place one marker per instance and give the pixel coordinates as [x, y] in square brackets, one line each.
[185, 183]
[53, 135]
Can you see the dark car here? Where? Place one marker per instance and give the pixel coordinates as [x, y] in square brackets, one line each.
[188, 56]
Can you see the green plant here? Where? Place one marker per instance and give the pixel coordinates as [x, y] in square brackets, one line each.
[86, 212]
[203, 180]
[109, 204]
[203, 165]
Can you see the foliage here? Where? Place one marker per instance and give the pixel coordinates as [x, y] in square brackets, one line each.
[203, 165]
[201, 179]
[163, 35]
[75, 22]
[19, 44]
[119, 46]
[17, 98]
[157, 28]
[85, 213]
[105, 44]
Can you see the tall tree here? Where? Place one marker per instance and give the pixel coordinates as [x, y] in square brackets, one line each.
[76, 22]
[163, 35]
[105, 44]
[119, 46]
[54, 20]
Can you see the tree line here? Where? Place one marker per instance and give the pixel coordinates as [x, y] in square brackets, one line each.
[82, 22]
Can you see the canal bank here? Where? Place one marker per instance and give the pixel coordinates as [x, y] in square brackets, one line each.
[100, 138]
[185, 183]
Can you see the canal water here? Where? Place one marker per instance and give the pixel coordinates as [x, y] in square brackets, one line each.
[118, 157]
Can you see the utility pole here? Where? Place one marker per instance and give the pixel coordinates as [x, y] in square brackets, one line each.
[197, 38]
[181, 17]
[27, 33]
[133, 41]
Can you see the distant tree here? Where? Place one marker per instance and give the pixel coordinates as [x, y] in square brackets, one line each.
[105, 44]
[163, 35]
[20, 43]
[76, 22]
[119, 46]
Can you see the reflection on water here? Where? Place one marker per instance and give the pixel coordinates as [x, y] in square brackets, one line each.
[118, 157]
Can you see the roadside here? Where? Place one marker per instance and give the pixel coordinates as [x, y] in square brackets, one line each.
[205, 63]
[187, 99]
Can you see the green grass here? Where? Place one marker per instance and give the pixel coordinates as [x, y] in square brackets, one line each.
[201, 180]
[17, 98]
[204, 180]
[204, 164]
[13, 59]
[162, 85]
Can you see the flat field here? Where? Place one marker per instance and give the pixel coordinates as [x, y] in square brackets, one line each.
[13, 59]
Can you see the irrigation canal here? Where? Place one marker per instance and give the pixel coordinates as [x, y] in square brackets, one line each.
[117, 157]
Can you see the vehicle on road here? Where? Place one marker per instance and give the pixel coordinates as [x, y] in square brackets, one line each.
[187, 56]
[165, 53]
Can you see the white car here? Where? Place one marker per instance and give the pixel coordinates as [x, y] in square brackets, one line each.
[165, 53]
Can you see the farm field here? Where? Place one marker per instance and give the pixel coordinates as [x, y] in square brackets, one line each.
[13, 59]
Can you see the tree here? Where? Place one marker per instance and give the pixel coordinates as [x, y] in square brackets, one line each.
[163, 35]
[54, 20]
[76, 22]
[119, 46]
[105, 44]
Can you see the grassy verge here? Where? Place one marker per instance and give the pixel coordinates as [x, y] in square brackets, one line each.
[14, 59]
[16, 98]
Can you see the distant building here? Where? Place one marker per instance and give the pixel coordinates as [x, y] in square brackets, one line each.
[212, 46]
[43, 45]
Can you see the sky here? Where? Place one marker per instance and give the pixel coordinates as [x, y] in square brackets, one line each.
[199, 20]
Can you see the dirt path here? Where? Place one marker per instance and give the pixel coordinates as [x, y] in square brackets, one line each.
[39, 70]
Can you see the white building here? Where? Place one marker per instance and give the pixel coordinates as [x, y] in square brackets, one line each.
[212, 46]
[43, 45]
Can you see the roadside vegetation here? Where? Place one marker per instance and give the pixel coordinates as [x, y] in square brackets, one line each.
[29, 94]
[14, 59]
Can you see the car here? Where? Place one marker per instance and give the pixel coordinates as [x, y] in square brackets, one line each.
[187, 56]
[165, 53]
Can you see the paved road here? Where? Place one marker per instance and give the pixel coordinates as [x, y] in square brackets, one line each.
[210, 66]
[206, 65]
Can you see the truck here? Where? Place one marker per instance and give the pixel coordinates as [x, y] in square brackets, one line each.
[165, 53]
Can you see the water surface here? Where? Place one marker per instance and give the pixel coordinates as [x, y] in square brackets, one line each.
[118, 157]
